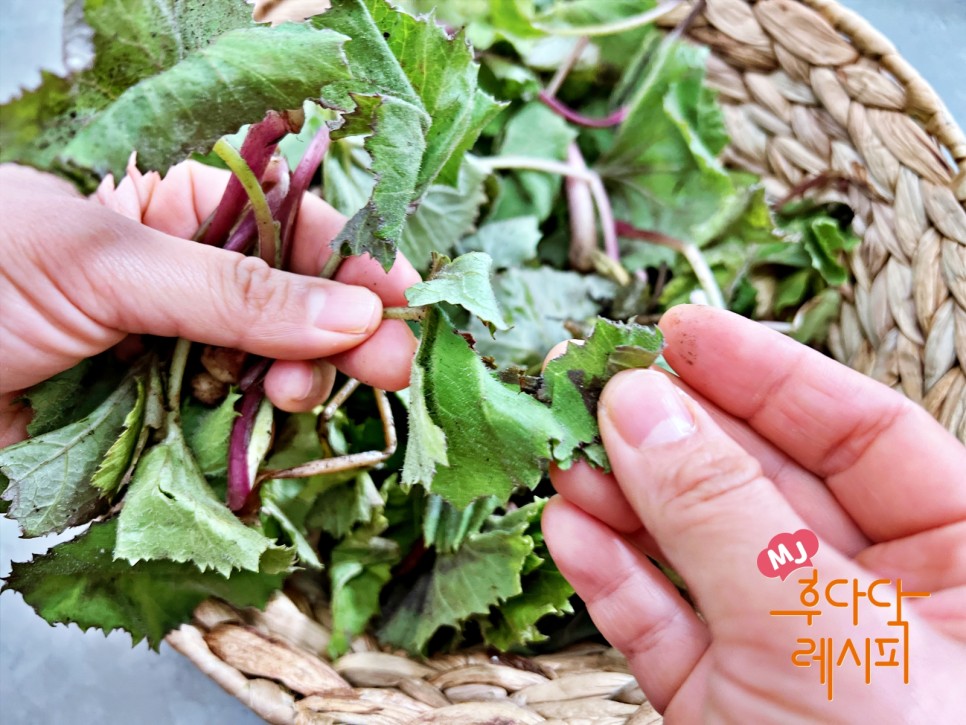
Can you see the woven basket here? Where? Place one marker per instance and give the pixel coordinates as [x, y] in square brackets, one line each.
[810, 91]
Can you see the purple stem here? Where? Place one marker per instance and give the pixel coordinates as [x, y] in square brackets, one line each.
[246, 232]
[239, 482]
[257, 150]
[301, 178]
[614, 119]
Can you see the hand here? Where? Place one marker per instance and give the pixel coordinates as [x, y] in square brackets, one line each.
[761, 436]
[77, 277]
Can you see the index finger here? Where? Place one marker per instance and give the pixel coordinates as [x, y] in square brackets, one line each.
[191, 191]
[893, 468]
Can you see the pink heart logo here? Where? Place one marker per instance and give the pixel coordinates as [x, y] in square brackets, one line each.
[787, 552]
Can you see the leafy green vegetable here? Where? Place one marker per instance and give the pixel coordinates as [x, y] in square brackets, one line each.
[532, 192]
[464, 281]
[79, 582]
[206, 431]
[51, 475]
[537, 303]
[490, 453]
[240, 75]
[444, 215]
[53, 401]
[107, 478]
[171, 513]
[573, 382]
[419, 119]
[132, 40]
[361, 567]
[509, 243]
[441, 598]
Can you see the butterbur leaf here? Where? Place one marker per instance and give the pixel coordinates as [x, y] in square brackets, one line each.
[445, 214]
[504, 444]
[237, 78]
[131, 40]
[50, 475]
[361, 566]
[532, 192]
[826, 243]
[484, 571]
[510, 242]
[537, 303]
[53, 401]
[573, 382]
[79, 582]
[426, 448]
[445, 527]
[514, 623]
[207, 431]
[464, 282]
[171, 513]
[414, 93]
[110, 472]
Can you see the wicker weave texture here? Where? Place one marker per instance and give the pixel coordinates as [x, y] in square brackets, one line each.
[811, 93]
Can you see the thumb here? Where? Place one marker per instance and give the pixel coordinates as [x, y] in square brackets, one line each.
[145, 281]
[702, 497]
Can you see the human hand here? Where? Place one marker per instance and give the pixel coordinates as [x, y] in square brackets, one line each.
[761, 436]
[77, 277]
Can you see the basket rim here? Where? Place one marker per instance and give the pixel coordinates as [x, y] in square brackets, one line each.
[922, 101]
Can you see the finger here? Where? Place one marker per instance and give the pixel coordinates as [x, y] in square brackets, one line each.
[137, 280]
[846, 428]
[384, 360]
[632, 603]
[298, 386]
[600, 496]
[702, 497]
[930, 561]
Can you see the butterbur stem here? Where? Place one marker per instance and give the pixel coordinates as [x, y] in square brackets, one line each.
[301, 178]
[179, 361]
[269, 245]
[239, 482]
[413, 314]
[614, 119]
[256, 150]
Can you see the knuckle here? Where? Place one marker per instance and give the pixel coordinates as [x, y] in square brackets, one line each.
[253, 286]
[700, 482]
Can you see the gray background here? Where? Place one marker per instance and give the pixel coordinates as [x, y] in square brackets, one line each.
[58, 675]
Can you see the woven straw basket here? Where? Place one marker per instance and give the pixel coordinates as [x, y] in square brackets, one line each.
[810, 91]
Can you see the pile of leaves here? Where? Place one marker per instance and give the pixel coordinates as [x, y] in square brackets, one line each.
[551, 167]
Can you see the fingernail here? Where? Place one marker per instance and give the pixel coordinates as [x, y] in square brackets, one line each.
[344, 308]
[646, 409]
[311, 383]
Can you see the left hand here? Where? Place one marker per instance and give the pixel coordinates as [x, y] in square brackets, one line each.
[78, 276]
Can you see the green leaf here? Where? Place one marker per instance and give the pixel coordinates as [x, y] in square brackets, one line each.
[812, 321]
[341, 507]
[501, 446]
[445, 215]
[826, 243]
[361, 566]
[112, 469]
[79, 582]
[207, 431]
[482, 573]
[281, 501]
[53, 401]
[673, 182]
[426, 447]
[132, 40]
[515, 622]
[464, 282]
[171, 513]
[50, 475]
[532, 192]
[510, 242]
[236, 79]
[573, 382]
[414, 92]
[445, 527]
[537, 303]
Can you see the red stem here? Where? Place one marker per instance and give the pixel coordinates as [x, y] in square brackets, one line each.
[257, 150]
[614, 119]
[239, 482]
[301, 178]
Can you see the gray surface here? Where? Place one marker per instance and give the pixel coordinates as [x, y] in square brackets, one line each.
[61, 675]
